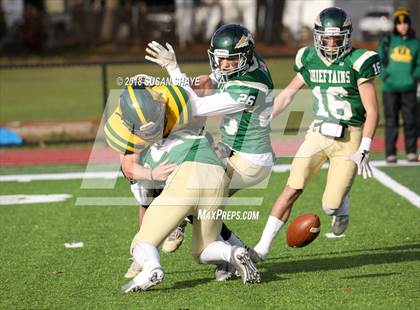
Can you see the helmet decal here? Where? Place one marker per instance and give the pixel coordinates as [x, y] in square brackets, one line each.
[242, 42]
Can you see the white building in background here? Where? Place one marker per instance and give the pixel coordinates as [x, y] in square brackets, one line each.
[302, 13]
[13, 11]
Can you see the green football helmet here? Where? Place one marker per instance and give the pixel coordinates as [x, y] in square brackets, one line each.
[143, 112]
[332, 33]
[232, 42]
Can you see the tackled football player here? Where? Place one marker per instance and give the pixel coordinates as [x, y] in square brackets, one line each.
[345, 120]
[244, 96]
[197, 185]
[124, 135]
[136, 124]
[143, 115]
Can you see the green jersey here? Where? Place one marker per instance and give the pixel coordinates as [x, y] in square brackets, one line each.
[335, 85]
[181, 146]
[248, 131]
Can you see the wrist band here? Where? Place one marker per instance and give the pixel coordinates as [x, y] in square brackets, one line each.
[365, 144]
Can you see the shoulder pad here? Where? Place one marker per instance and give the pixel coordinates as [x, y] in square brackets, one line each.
[299, 58]
[362, 57]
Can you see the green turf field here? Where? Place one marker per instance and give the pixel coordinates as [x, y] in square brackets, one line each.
[376, 266]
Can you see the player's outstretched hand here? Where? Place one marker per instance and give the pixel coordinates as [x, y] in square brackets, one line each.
[164, 57]
[162, 171]
[361, 158]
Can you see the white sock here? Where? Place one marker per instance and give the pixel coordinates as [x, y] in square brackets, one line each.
[270, 232]
[146, 255]
[345, 206]
[215, 252]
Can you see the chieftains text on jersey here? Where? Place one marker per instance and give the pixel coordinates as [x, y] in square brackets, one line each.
[329, 76]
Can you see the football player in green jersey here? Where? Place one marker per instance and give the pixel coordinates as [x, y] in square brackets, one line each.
[244, 96]
[345, 119]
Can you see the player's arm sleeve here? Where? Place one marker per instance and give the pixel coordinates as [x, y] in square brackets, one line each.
[367, 66]
[217, 104]
[178, 77]
[237, 96]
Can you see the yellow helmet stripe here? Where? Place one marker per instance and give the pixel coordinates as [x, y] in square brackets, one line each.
[187, 110]
[183, 103]
[178, 104]
[136, 104]
[115, 143]
[110, 131]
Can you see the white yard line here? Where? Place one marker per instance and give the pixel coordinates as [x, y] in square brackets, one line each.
[114, 174]
[382, 177]
[127, 201]
[60, 176]
[26, 199]
[374, 163]
[396, 187]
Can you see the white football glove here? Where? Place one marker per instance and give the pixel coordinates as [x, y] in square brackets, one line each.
[361, 158]
[143, 192]
[164, 57]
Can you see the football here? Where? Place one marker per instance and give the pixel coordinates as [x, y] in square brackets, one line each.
[303, 230]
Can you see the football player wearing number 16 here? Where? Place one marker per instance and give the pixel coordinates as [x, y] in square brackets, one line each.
[346, 116]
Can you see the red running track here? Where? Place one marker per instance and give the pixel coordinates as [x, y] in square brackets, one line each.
[285, 148]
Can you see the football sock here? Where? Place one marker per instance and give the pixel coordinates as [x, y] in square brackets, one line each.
[270, 232]
[227, 235]
[345, 206]
[226, 232]
[234, 240]
[215, 252]
[146, 255]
